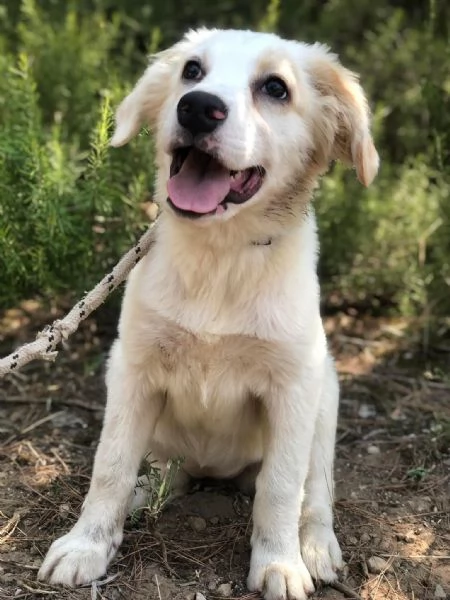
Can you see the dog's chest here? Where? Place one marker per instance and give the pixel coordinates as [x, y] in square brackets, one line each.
[210, 373]
[211, 414]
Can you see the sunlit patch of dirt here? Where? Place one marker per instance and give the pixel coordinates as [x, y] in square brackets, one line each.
[36, 468]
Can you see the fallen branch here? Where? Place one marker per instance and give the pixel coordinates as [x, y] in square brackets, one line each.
[47, 340]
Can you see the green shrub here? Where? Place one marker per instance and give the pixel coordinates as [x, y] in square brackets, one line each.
[67, 212]
[70, 204]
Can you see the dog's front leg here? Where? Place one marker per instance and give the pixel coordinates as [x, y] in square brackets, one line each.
[277, 568]
[83, 554]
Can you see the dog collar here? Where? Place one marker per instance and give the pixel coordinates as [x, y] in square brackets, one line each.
[263, 242]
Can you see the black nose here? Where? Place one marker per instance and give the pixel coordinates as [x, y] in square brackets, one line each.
[200, 112]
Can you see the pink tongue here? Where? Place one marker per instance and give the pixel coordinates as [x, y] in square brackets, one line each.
[201, 184]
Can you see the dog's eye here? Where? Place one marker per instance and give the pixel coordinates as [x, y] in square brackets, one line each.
[192, 70]
[275, 88]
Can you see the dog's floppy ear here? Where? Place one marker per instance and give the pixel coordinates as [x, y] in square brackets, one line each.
[144, 102]
[347, 114]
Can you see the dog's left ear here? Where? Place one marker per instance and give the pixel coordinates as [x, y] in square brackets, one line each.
[347, 113]
[144, 102]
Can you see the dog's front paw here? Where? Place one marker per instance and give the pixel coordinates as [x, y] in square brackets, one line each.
[320, 551]
[75, 560]
[280, 579]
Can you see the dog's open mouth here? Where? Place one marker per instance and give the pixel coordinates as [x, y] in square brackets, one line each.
[200, 185]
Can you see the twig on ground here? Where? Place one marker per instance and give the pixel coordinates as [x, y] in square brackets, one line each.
[47, 340]
[20, 565]
[416, 556]
[41, 422]
[98, 583]
[157, 585]
[70, 402]
[344, 589]
[163, 547]
[10, 526]
[38, 591]
[63, 463]
[102, 582]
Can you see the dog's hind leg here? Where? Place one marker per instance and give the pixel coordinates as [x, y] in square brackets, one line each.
[319, 546]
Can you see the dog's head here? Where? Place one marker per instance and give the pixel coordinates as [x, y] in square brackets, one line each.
[243, 117]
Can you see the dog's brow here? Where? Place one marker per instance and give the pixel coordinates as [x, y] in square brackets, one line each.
[275, 65]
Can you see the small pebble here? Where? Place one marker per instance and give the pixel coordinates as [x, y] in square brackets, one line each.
[352, 540]
[224, 590]
[64, 509]
[373, 449]
[199, 596]
[197, 523]
[439, 592]
[376, 564]
[407, 537]
[385, 545]
[366, 411]
[365, 537]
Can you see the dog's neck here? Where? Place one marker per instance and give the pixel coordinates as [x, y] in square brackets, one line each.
[230, 237]
[250, 251]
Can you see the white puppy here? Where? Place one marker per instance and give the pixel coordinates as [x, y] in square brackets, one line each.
[221, 356]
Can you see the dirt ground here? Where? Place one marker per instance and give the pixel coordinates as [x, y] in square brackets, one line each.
[392, 474]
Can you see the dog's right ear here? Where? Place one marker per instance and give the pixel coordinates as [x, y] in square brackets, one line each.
[347, 123]
[144, 102]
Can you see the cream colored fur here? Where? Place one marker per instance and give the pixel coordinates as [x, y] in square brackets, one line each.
[221, 356]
